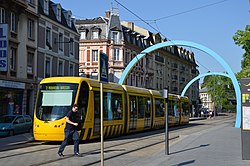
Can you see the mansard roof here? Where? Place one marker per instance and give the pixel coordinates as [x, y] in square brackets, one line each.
[52, 15]
[96, 20]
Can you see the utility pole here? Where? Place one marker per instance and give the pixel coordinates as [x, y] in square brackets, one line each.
[214, 96]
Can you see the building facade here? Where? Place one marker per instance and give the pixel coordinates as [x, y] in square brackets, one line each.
[18, 52]
[170, 67]
[206, 99]
[58, 42]
[38, 39]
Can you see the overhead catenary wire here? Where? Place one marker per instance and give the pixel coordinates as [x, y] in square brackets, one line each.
[140, 18]
[183, 12]
[191, 10]
[155, 20]
[157, 29]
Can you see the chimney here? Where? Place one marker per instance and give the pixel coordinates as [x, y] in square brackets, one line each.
[131, 25]
[107, 13]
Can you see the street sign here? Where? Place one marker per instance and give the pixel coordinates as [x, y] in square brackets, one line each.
[103, 67]
[102, 78]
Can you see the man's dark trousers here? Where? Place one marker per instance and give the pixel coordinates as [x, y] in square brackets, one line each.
[75, 139]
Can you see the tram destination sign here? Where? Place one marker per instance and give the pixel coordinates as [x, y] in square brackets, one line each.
[103, 67]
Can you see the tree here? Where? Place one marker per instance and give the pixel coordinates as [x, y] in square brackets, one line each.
[221, 90]
[242, 38]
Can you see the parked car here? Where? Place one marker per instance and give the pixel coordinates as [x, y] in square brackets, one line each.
[204, 112]
[14, 124]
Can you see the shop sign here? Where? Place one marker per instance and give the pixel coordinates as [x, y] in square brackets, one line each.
[12, 84]
[3, 47]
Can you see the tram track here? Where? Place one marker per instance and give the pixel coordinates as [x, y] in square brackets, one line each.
[107, 147]
[122, 141]
[125, 138]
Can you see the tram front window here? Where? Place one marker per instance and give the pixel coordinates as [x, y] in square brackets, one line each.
[55, 100]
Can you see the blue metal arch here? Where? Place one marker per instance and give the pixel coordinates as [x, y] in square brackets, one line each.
[199, 47]
[200, 76]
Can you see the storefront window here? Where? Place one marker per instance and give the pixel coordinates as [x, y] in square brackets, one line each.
[10, 101]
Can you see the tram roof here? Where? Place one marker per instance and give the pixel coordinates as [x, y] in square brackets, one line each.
[136, 90]
[61, 80]
[184, 98]
[106, 86]
[77, 80]
[173, 96]
[155, 93]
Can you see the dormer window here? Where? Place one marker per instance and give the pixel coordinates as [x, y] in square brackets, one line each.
[115, 37]
[95, 35]
[83, 32]
[58, 16]
[83, 35]
[95, 32]
[67, 15]
[57, 10]
[69, 19]
[46, 7]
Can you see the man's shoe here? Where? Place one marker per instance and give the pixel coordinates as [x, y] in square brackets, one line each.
[60, 154]
[77, 155]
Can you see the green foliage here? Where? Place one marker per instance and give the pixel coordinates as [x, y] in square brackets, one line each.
[221, 90]
[242, 38]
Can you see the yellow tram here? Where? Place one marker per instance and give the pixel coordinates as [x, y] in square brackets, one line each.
[126, 109]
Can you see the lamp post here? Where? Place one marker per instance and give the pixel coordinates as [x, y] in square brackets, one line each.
[165, 96]
[214, 96]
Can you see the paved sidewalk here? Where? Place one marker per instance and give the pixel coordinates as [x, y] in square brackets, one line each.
[219, 145]
[15, 140]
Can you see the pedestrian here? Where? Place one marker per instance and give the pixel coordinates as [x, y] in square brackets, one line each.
[210, 115]
[16, 109]
[70, 130]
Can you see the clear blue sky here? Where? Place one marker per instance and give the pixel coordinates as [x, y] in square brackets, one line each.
[211, 23]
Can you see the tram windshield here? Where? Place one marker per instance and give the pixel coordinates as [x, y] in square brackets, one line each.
[55, 100]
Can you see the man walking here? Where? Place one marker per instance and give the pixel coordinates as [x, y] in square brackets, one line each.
[70, 129]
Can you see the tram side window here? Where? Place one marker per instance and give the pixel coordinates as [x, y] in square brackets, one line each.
[133, 111]
[148, 112]
[141, 107]
[170, 107]
[107, 112]
[105, 106]
[173, 107]
[97, 104]
[116, 105]
[112, 106]
[159, 108]
[185, 108]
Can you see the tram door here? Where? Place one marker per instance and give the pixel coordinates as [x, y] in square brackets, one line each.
[97, 114]
[83, 106]
[133, 112]
[147, 122]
